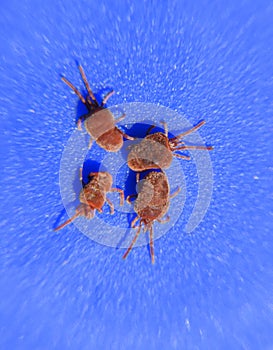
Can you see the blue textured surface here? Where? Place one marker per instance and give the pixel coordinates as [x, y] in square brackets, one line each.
[212, 289]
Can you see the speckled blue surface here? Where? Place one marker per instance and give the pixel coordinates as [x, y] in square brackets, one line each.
[211, 289]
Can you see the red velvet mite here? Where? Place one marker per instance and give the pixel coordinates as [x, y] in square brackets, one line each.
[157, 150]
[93, 196]
[151, 204]
[99, 121]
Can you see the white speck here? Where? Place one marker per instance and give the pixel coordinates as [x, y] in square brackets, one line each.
[255, 177]
[31, 110]
[187, 324]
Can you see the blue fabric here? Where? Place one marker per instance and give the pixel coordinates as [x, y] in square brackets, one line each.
[210, 289]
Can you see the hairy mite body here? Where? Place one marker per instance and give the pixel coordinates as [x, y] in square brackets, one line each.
[99, 121]
[151, 204]
[93, 196]
[153, 199]
[156, 151]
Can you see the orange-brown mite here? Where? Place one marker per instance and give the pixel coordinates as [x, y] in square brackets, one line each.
[151, 204]
[99, 121]
[157, 150]
[93, 196]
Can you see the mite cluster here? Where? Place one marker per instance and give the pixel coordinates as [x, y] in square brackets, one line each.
[153, 154]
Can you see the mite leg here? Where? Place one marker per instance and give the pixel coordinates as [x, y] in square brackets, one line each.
[111, 205]
[164, 221]
[90, 214]
[79, 124]
[93, 173]
[152, 244]
[165, 128]
[175, 193]
[137, 177]
[133, 242]
[125, 135]
[207, 148]
[181, 157]
[150, 129]
[81, 177]
[81, 119]
[87, 85]
[90, 143]
[120, 118]
[180, 136]
[106, 97]
[128, 199]
[78, 213]
[77, 92]
[133, 223]
[121, 194]
[80, 174]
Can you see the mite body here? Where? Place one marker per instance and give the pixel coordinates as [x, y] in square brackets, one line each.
[157, 150]
[151, 204]
[93, 196]
[99, 121]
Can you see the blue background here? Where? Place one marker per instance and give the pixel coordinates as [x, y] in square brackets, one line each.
[212, 289]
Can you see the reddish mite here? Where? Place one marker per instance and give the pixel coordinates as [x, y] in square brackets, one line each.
[93, 196]
[157, 150]
[99, 121]
[151, 204]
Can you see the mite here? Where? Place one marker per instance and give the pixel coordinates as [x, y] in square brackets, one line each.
[157, 150]
[99, 121]
[93, 196]
[151, 204]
